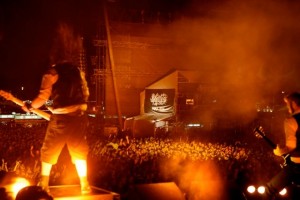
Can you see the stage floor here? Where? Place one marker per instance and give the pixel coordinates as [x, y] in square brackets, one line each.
[72, 192]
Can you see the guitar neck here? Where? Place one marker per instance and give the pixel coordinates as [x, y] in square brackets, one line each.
[270, 142]
[34, 110]
[17, 101]
[41, 113]
[261, 134]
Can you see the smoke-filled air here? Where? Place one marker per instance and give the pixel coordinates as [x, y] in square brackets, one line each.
[249, 49]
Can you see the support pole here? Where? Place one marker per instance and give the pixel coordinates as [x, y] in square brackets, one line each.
[112, 64]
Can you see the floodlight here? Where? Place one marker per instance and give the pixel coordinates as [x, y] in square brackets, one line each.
[261, 189]
[251, 189]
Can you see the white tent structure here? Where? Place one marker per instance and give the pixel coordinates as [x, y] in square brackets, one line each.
[159, 103]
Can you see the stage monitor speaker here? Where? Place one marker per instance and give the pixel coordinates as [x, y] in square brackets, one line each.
[156, 191]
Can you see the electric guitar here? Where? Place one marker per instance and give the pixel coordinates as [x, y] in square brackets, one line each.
[259, 133]
[10, 97]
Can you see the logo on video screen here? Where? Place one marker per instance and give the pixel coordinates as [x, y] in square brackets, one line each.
[159, 100]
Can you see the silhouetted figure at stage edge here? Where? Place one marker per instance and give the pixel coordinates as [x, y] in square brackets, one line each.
[291, 172]
[65, 84]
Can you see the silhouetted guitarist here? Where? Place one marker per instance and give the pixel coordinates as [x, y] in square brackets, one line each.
[291, 172]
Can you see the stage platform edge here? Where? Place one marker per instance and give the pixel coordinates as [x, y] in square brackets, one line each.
[72, 192]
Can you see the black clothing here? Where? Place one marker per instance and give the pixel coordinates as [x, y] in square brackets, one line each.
[68, 90]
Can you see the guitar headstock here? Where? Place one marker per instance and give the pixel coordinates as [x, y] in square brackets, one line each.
[6, 95]
[259, 132]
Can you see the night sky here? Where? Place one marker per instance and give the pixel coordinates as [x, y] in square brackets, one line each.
[247, 43]
[27, 30]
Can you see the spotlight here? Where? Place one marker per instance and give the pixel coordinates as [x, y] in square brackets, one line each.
[17, 185]
[33, 193]
[251, 189]
[12, 183]
[283, 192]
[261, 189]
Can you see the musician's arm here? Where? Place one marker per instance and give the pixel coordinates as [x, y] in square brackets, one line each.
[290, 128]
[45, 90]
[37, 102]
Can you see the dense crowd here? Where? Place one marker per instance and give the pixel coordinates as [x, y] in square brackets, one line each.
[117, 163]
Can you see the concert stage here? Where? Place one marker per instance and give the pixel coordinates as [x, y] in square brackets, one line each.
[72, 192]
